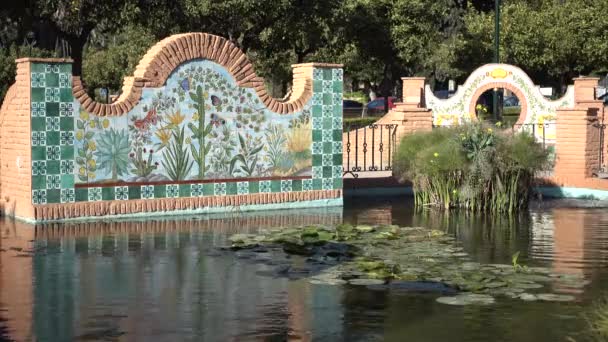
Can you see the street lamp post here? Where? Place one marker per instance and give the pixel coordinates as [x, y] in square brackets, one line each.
[496, 53]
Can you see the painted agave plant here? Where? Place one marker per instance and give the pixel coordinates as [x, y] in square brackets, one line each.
[113, 152]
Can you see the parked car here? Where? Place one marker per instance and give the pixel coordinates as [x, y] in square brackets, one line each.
[376, 106]
[511, 101]
[351, 108]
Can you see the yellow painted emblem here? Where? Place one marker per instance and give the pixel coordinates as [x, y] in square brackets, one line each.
[499, 73]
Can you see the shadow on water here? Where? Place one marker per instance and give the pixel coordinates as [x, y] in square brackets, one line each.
[166, 280]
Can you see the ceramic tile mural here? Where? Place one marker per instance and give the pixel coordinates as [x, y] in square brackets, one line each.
[198, 135]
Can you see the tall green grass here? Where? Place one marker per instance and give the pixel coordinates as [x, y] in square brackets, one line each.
[476, 167]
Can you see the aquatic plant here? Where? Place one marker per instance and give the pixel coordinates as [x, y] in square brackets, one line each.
[516, 266]
[477, 167]
[597, 319]
[113, 152]
[176, 159]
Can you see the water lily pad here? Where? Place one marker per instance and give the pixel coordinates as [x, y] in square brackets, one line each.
[552, 297]
[528, 297]
[365, 282]
[467, 299]
[329, 282]
[527, 286]
[365, 229]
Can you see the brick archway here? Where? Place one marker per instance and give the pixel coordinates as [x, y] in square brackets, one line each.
[505, 85]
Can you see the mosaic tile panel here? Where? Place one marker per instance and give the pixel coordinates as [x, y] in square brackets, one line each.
[58, 133]
[52, 139]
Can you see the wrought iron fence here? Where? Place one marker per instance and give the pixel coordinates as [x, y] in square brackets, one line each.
[369, 149]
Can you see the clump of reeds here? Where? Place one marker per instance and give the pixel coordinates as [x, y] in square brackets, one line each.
[476, 167]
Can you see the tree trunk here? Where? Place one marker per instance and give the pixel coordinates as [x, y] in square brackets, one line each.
[77, 47]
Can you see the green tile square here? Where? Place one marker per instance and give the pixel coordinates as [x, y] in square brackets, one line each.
[275, 186]
[317, 160]
[38, 153]
[328, 98]
[160, 191]
[66, 123]
[338, 87]
[52, 138]
[184, 190]
[327, 123]
[52, 80]
[317, 86]
[317, 135]
[37, 67]
[65, 95]
[107, 193]
[37, 94]
[135, 192]
[38, 124]
[67, 152]
[208, 189]
[254, 187]
[337, 110]
[53, 195]
[327, 172]
[337, 159]
[317, 184]
[327, 75]
[337, 135]
[53, 167]
[65, 67]
[327, 147]
[52, 109]
[317, 111]
[337, 183]
[231, 188]
[38, 182]
[67, 181]
[81, 194]
[296, 185]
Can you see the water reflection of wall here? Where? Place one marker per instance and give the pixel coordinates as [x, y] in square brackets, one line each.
[16, 278]
[156, 278]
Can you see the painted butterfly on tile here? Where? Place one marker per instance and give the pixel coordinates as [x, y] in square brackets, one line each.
[215, 100]
[216, 120]
[185, 84]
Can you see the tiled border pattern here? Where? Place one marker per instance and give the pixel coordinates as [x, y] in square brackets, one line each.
[52, 120]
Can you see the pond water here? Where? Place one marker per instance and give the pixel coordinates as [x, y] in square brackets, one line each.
[166, 280]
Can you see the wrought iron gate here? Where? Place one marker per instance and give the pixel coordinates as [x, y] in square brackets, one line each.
[369, 148]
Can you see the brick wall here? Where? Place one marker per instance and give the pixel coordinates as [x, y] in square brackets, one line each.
[15, 157]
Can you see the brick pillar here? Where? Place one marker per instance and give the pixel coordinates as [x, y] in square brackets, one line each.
[577, 144]
[413, 92]
[15, 148]
[585, 97]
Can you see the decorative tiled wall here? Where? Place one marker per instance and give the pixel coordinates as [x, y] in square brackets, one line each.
[58, 135]
[52, 129]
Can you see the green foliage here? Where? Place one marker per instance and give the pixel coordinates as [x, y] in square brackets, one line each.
[176, 159]
[113, 152]
[8, 68]
[278, 158]
[471, 167]
[516, 266]
[350, 124]
[107, 64]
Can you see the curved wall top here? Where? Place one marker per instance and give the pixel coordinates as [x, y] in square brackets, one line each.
[168, 54]
[460, 108]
